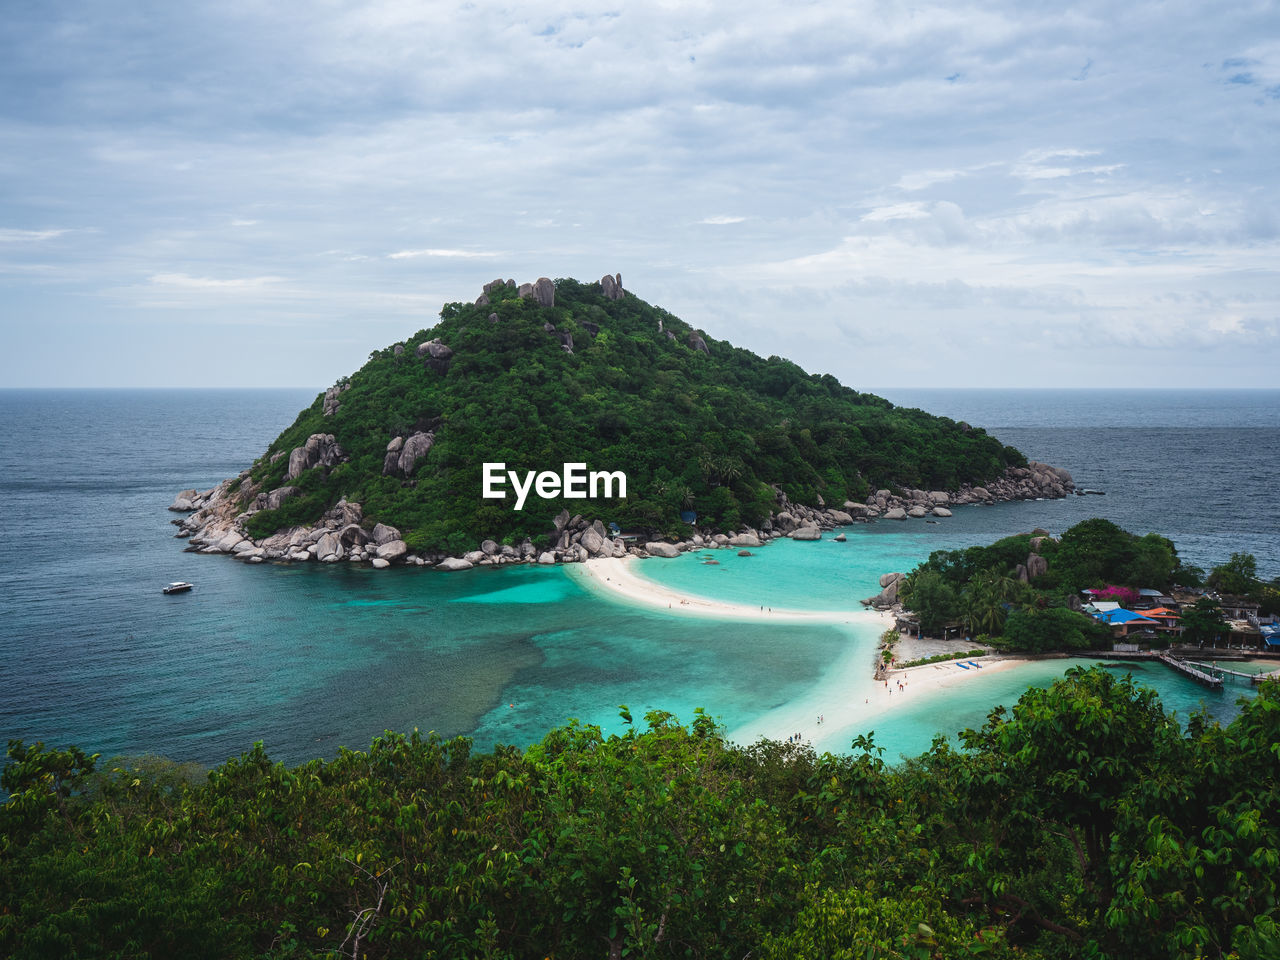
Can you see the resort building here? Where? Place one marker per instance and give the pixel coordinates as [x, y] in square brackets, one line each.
[1124, 623]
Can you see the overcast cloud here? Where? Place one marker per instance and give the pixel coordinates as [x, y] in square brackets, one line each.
[1020, 194]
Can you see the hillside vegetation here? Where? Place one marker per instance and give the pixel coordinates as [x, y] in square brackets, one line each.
[1086, 822]
[694, 422]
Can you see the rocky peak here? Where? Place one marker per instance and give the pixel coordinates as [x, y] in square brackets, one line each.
[612, 286]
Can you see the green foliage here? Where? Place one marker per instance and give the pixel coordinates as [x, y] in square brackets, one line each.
[1083, 823]
[932, 599]
[712, 432]
[1204, 621]
[1239, 575]
[1055, 628]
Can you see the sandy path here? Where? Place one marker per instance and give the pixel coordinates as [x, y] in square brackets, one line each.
[619, 579]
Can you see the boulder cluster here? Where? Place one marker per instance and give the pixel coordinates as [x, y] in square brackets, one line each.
[320, 450]
[888, 595]
[542, 290]
[612, 287]
[403, 453]
[1035, 481]
[435, 355]
[331, 396]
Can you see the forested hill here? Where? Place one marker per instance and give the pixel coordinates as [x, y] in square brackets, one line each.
[541, 375]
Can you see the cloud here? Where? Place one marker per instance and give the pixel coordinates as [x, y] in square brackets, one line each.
[922, 179]
[8, 235]
[897, 211]
[434, 252]
[235, 284]
[943, 165]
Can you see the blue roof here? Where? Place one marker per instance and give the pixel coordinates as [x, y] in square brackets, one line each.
[1122, 615]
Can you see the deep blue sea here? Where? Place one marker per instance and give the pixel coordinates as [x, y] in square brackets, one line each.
[307, 658]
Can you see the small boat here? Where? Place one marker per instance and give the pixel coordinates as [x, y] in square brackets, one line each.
[961, 665]
[179, 586]
[976, 666]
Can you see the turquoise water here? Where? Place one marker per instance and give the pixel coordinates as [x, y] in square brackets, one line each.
[807, 575]
[828, 575]
[309, 658]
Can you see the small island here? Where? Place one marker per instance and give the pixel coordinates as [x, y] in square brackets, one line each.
[395, 464]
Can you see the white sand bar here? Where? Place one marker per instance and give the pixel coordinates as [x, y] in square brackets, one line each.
[620, 580]
[847, 697]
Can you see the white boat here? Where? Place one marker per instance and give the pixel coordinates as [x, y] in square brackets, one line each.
[180, 586]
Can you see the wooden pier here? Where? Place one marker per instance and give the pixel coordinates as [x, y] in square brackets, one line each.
[1195, 673]
[1255, 678]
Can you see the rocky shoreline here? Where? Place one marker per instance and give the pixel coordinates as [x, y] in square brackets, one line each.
[215, 524]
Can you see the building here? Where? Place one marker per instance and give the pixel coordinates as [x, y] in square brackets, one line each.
[1124, 623]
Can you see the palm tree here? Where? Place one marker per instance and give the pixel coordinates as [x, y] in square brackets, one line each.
[986, 601]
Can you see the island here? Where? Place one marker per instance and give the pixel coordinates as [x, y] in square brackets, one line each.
[428, 455]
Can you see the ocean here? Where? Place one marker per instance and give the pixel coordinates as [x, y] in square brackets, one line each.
[309, 658]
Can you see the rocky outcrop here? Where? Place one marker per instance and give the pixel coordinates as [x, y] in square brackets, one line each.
[331, 397]
[435, 355]
[697, 343]
[329, 548]
[888, 595]
[185, 501]
[544, 291]
[657, 548]
[320, 450]
[275, 499]
[382, 533]
[450, 564]
[392, 550]
[435, 349]
[403, 454]
[611, 287]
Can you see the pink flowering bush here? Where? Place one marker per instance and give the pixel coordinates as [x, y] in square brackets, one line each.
[1125, 596]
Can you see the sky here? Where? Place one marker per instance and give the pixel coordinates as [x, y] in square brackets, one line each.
[1000, 194]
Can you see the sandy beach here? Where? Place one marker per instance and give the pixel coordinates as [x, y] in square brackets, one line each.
[851, 702]
[847, 698]
[621, 581]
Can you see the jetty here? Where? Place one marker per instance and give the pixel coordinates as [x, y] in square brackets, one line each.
[1195, 673]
